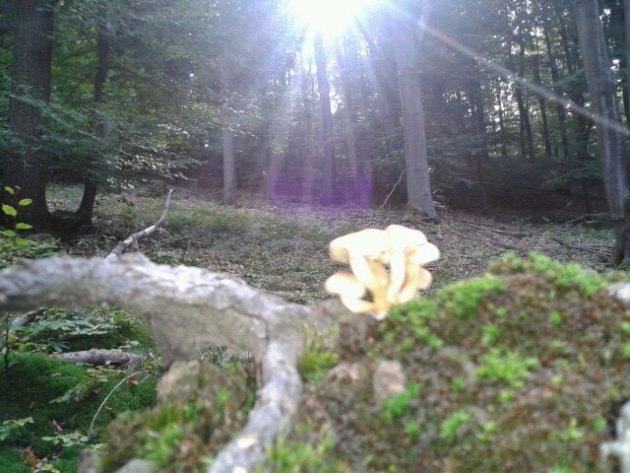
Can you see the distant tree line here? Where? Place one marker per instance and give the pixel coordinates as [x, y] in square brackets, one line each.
[483, 101]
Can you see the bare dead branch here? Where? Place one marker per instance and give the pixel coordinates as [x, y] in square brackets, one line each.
[187, 310]
[122, 246]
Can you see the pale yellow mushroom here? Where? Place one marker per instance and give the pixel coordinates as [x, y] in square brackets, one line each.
[416, 277]
[367, 252]
[403, 244]
[358, 249]
[350, 291]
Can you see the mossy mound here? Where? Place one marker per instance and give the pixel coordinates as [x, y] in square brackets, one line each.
[523, 369]
[200, 407]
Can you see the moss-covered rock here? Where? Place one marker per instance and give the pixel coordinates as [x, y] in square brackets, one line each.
[522, 369]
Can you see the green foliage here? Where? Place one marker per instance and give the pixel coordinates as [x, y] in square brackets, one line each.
[11, 425]
[59, 330]
[398, 405]
[298, 457]
[317, 359]
[49, 392]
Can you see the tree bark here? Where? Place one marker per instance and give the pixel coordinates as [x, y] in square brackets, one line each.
[328, 191]
[604, 102]
[416, 158]
[33, 25]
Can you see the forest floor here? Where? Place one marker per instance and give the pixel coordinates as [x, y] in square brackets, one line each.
[497, 370]
[282, 247]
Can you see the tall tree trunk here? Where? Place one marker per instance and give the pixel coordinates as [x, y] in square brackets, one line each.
[481, 149]
[602, 91]
[229, 167]
[543, 108]
[103, 129]
[31, 77]
[502, 124]
[229, 161]
[526, 135]
[416, 158]
[555, 77]
[328, 193]
[626, 10]
[349, 116]
[309, 168]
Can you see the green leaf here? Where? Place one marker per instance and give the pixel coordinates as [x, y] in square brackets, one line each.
[9, 190]
[25, 202]
[8, 210]
[23, 226]
[8, 233]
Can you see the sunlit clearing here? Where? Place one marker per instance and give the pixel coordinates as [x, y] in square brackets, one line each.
[329, 17]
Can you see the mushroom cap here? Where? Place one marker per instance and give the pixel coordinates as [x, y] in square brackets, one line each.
[401, 238]
[345, 285]
[370, 243]
[426, 253]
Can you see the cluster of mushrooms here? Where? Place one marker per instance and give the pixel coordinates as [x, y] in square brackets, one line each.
[369, 253]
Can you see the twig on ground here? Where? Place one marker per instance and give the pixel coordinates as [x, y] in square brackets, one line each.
[582, 217]
[580, 248]
[24, 320]
[98, 411]
[393, 189]
[122, 246]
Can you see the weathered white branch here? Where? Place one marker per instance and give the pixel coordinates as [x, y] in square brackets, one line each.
[122, 246]
[103, 357]
[188, 310]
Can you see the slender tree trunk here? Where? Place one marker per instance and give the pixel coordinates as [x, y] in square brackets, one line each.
[481, 152]
[349, 116]
[543, 109]
[328, 193]
[229, 167]
[604, 102]
[229, 161]
[626, 10]
[416, 158]
[309, 168]
[526, 136]
[30, 77]
[103, 50]
[560, 111]
[502, 124]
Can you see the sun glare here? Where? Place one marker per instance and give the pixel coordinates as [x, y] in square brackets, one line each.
[329, 17]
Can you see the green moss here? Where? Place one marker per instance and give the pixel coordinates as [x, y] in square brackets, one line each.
[525, 366]
[317, 358]
[181, 433]
[505, 367]
[398, 405]
[35, 381]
